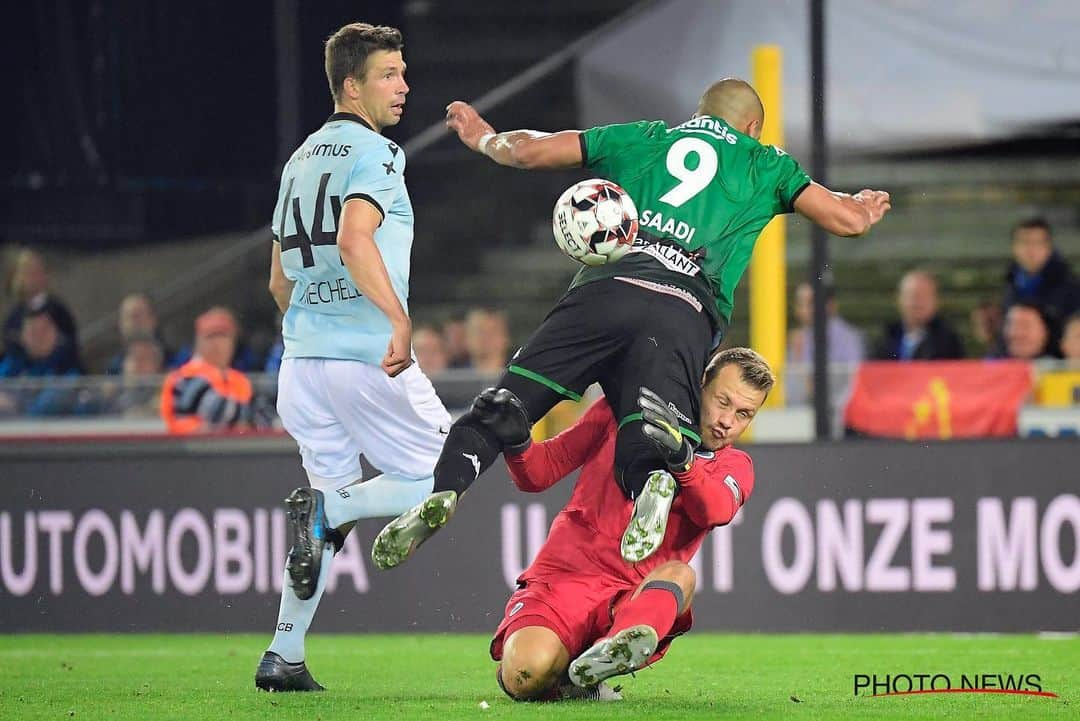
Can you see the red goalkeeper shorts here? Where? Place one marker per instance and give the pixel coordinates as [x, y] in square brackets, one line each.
[578, 609]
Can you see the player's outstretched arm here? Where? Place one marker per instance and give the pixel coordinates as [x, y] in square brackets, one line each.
[842, 214]
[527, 149]
[280, 286]
[541, 465]
[356, 243]
[714, 491]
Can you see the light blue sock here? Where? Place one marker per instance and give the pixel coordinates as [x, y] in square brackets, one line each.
[384, 495]
[294, 615]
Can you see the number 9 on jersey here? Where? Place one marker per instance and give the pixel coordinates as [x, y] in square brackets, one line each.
[595, 222]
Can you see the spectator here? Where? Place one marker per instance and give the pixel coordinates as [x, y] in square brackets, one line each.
[846, 344]
[920, 333]
[1028, 332]
[457, 353]
[137, 319]
[487, 337]
[1038, 274]
[244, 358]
[845, 341]
[1070, 339]
[986, 322]
[430, 352]
[143, 356]
[29, 286]
[205, 394]
[42, 351]
[139, 394]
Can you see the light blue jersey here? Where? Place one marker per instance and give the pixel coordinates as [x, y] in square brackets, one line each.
[327, 317]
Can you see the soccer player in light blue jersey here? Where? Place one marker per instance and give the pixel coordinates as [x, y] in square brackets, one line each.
[348, 386]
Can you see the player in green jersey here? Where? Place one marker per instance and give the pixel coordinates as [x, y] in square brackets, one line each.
[704, 190]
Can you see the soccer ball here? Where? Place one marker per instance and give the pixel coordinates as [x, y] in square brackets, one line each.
[595, 222]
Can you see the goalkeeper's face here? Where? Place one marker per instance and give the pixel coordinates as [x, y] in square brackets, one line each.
[728, 404]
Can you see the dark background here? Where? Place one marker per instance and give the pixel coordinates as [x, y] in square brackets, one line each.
[155, 119]
[159, 120]
[148, 92]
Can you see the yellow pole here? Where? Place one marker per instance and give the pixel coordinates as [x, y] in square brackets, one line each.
[768, 267]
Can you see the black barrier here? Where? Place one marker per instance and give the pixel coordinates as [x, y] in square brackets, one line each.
[173, 536]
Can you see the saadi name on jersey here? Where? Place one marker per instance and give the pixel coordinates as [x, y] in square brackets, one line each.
[674, 228]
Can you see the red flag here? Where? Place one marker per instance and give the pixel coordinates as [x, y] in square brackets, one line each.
[938, 399]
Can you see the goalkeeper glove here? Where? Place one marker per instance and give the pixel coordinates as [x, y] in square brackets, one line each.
[503, 413]
[661, 427]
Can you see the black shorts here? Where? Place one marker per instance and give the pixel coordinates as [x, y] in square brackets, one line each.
[622, 335]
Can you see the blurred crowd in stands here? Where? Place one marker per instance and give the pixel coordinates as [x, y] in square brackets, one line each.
[197, 387]
[1036, 318]
[204, 385]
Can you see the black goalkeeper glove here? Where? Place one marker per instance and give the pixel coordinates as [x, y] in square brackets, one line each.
[503, 413]
[661, 427]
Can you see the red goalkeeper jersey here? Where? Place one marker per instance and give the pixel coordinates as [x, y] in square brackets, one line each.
[586, 534]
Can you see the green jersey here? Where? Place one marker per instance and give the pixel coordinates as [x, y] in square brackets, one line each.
[703, 192]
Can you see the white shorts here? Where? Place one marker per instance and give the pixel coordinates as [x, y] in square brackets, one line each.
[339, 409]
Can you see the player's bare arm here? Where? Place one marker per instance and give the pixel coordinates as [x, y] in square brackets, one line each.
[356, 242]
[840, 213]
[280, 286]
[526, 149]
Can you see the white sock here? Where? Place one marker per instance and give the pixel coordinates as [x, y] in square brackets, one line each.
[294, 616]
[384, 495]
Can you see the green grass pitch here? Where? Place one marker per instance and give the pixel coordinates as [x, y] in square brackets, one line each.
[409, 678]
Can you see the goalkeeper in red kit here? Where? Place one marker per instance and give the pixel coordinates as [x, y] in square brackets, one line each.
[581, 613]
